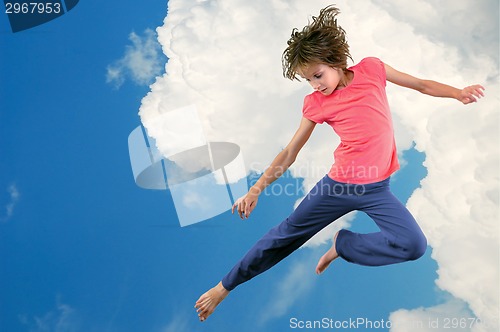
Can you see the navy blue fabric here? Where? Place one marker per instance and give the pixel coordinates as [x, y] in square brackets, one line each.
[400, 238]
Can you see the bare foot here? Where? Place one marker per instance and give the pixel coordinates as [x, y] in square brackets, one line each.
[207, 302]
[328, 257]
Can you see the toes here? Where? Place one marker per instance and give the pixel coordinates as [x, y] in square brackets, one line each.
[204, 313]
[320, 269]
[203, 302]
[207, 303]
[202, 298]
[203, 306]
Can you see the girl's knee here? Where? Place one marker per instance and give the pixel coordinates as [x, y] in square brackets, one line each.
[416, 247]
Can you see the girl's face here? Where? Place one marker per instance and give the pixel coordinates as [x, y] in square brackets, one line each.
[323, 78]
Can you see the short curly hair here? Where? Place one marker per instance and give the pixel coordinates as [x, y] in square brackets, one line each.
[321, 41]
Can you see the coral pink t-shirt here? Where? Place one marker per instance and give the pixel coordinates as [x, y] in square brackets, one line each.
[360, 115]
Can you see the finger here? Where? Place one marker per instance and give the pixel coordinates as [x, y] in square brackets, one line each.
[478, 90]
[466, 100]
[247, 211]
[479, 93]
[471, 94]
[235, 207]
[240, 209]
[474, 93]
[471, 98]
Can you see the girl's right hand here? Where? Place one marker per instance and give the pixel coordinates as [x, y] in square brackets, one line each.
[245, 204]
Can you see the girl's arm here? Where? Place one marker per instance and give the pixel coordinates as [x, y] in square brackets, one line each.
[466, 95]
[280, 164]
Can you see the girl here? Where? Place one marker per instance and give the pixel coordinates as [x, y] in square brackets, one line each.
[353, 101]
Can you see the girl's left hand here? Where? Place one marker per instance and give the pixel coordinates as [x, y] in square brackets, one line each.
[245, 204]
[471, 94]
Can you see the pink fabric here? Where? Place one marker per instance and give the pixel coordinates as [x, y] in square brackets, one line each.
[360, 115]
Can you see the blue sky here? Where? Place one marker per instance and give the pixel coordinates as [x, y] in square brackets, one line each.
[82, 248]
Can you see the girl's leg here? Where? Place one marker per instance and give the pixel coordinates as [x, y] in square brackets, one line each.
[318, 209]
[400, 238]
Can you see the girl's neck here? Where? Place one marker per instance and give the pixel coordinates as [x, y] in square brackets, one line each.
[346, 79]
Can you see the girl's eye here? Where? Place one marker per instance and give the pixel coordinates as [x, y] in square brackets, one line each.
[318, 76]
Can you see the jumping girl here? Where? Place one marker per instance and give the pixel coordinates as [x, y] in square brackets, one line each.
[353, 102]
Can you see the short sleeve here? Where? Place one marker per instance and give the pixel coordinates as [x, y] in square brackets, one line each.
[377, 68]
[311, 109]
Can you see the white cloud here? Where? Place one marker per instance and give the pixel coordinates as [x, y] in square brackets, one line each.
[327, 233]
[141, 61]
[14, 196]
[179, 323]
[292, 286]
[224, 56]
[62, 319]
[452, 315]
[470, 26]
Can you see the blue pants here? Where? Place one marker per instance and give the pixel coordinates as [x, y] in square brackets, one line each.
[400, 238]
